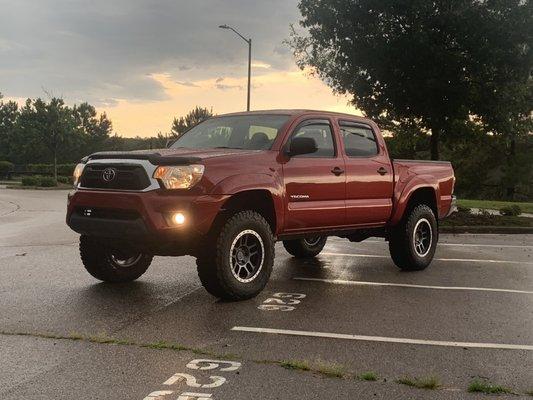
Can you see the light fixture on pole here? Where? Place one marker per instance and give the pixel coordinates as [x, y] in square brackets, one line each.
[249, 41]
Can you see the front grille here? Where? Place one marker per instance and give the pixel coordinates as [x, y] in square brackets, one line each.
[123, 177]
[107, 213]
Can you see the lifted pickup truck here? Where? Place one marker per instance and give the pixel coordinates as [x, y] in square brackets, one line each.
[233, 185]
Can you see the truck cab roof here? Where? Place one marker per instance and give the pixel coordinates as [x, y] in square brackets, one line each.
[300, 112]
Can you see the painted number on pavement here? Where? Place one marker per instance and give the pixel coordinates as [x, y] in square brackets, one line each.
[191, 381]
[282, 302]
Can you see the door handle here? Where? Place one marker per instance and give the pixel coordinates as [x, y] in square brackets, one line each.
[337, 171]
[382, 170]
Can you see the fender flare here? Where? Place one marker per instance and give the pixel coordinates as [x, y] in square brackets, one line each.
[402, 197]
[240, 183]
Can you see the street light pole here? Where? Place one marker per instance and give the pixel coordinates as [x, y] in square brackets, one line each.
[249, 41]
[249, 73]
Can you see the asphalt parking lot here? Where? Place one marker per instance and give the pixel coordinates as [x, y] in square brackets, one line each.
[64, 335]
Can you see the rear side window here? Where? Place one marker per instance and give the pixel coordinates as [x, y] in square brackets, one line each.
[359, 140]
[321, 133]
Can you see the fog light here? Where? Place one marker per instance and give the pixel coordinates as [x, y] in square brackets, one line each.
[178, 218]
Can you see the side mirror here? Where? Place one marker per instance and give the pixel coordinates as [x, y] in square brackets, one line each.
[302, 145]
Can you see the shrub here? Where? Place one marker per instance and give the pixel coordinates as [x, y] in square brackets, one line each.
[5, 168]
[63, 179]
[36, 180]
[65, 169]
[47, 169]
[464, 210]
[513, 210]
[47, 181]
[30, 181]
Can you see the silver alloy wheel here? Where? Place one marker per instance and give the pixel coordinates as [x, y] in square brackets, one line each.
[422, 237]
[312, 241]
[125, 262]
[246, 255]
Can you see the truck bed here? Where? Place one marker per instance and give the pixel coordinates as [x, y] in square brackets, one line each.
[439, 174]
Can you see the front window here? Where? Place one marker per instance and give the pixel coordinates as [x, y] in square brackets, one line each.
[252, 132]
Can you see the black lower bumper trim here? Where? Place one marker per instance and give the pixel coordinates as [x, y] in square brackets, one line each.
[107, 227]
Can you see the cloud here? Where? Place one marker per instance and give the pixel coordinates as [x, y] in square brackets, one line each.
[101, 49]
[189, 84]
[221, 86]
[260, 64]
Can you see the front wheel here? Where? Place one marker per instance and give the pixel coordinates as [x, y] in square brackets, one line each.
[237, 264]
[306, 247]
[112, 264]
[413, 242]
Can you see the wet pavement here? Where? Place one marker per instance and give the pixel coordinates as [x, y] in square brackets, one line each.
[65, 335]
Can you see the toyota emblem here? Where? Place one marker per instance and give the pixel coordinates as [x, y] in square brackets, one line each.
[109, 174]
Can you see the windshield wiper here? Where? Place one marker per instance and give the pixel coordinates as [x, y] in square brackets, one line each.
[227, 147]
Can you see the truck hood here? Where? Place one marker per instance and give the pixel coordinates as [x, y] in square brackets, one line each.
[179, 156]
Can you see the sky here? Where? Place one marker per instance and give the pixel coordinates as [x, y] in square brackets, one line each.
[145, 62]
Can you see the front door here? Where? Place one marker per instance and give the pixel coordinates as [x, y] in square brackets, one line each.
[315, 183]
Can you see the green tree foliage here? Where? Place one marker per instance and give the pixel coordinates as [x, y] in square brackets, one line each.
[49, 123]
[50, 132]
[193, 117]
[431, 63]
[8, 117]
[94, 129]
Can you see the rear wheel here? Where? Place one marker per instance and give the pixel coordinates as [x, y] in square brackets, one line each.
[237, 263]
[413, 242]
[112, 264]
[307, 247]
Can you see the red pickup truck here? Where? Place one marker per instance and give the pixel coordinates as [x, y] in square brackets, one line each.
[229, 188]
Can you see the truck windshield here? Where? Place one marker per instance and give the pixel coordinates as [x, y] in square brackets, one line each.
[253, 132]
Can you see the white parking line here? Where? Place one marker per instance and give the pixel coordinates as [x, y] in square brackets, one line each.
[436, 259]
[408, 285]
[383, 339]
[511, 246]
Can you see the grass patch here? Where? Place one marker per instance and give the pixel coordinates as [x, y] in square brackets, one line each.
[322, 368]
[479, 386]
[430, 383]
[295, 365]
[526, 207]
[368, 376]
[331, 370]
[162, 345]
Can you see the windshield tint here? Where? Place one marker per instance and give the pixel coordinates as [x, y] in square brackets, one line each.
[253, 132]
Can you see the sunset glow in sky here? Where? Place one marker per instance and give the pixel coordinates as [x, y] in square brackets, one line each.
[144, 62]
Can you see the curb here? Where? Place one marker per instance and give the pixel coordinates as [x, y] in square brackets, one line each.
[487, 229]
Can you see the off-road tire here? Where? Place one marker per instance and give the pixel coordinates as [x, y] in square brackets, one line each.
[214, 265]
[97, 259]
[401, 243]
[302, 248]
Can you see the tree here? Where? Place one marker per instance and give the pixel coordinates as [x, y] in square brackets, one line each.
[49, 123]
[8, 117]
[193, 117]
[405, 61]
[94, 129]
[501, 77]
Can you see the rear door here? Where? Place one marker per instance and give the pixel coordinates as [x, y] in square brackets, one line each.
[369, 175]
[315, 183]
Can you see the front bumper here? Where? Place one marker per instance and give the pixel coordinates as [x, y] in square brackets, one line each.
[141, 215]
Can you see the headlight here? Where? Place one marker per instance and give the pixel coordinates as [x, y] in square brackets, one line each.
[179, 177]
[77, 174]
